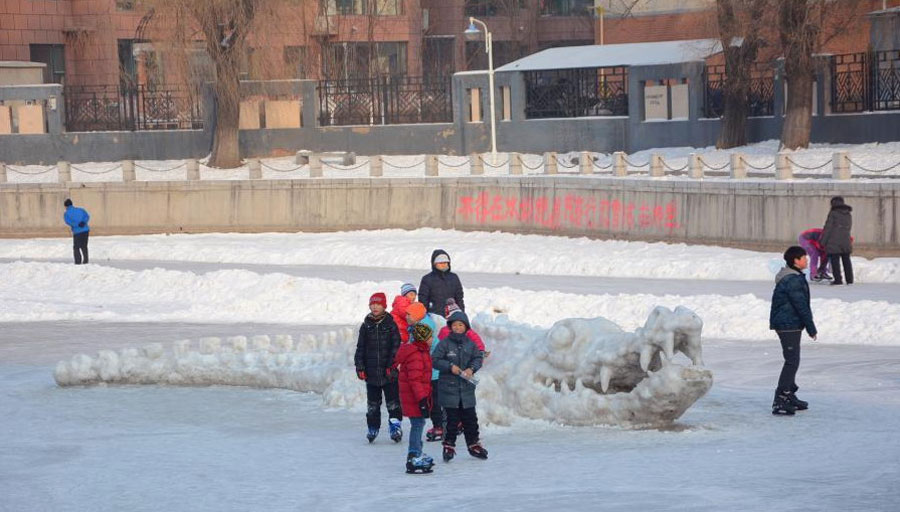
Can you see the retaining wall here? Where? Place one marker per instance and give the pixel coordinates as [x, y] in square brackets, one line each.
[752, 214]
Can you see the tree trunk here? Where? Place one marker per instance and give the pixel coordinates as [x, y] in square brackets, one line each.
[735, 88]
[226, 149]
[798, 116]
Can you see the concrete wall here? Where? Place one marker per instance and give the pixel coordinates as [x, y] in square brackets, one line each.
[760, 215]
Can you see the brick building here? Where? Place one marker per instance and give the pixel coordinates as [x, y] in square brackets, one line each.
[103, 42]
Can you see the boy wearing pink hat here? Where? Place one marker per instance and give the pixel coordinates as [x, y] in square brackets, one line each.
[376, 348]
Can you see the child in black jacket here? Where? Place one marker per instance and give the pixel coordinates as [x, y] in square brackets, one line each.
[376, 347]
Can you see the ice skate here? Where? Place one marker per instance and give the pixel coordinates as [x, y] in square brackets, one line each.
[372, 434]
[449, 452]
[422, 464]
[434, 434]
[478, 451]
[396, 430]
[782, 405]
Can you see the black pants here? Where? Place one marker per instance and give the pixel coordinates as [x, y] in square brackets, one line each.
[437, 412]
[836, 260]
[470, 425]
[391, 392]
[79, 247]
[790, 348]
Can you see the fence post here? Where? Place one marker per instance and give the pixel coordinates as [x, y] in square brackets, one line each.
[738, 170]
[515, 163]
[656, 166]
[783, 169]
[550, 166]
[619, 168]
[128, 170]
[586, 162]
[431, 165]
[2, 172]
[375, 168]
[193, 169]
[255, 168]
[315, 165]
[695, 170]
[840, 166]
[476, 166]
[65, 173]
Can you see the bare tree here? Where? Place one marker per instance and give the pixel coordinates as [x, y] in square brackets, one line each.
[741, 24]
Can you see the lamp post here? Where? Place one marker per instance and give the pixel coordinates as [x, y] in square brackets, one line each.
[472, 33]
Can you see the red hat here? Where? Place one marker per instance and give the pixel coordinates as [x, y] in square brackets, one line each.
[378, 298]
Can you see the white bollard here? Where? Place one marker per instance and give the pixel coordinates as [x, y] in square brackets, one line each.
[783, 169]
[193, 169]
[476, 166]
[315, 165]
[375, 167]
[431, 165]
[841, 166]
[255, 168]
[656, 166]
[515, 163]
[128, 170]
[2, 172]
[550, 166]
[65, 172]
[619, 168]
[695, 170]
[738, 169]
[586, 162]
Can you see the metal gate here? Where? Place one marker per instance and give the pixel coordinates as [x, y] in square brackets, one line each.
[118, 108]
[385, 100]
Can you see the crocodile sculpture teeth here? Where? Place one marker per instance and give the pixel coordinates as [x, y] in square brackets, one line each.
[579, 372]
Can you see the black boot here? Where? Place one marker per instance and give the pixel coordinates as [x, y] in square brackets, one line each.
[449, 452]
[782, 405]
[800, 405]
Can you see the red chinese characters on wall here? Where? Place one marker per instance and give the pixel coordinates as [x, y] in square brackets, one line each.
[569, 211]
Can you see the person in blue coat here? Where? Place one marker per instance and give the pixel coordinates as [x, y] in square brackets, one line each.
[77, 219]
[789, 316]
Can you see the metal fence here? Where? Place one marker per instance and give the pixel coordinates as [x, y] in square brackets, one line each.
[760, 97]
[862, 82]
[385, 100]
[578, 92]
[117, 108]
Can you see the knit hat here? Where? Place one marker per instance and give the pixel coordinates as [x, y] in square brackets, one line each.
[442, 258]
[406, 288]
[450, 307]
[416, 311]
[378, 298]
[67, 203]
[458, 316]
[421, 332]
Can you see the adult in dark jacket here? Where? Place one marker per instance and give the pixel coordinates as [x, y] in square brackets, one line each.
[457, 358]
[376, 348]
[789, 316]
[77, 219]
[836, 239]
[440, 284]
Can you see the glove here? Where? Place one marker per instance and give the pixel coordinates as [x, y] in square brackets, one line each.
[361, 374]
[391, 374]
[81, 224]
[424, 408]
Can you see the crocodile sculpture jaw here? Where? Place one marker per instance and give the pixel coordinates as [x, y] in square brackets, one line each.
[579, 372]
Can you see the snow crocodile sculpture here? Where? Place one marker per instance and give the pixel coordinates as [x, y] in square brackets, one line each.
[579, 372]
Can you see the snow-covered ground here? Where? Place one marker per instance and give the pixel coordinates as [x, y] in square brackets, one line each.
[219, 448]
[872, 160]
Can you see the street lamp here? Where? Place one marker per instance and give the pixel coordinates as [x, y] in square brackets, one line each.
[471, 34]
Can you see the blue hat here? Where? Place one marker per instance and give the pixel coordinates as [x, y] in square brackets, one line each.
[406, 288]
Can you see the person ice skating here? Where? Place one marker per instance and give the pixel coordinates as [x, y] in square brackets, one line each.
[789, 316]
[398, 309]
[440, 284]
[413, 364]
[818, 258]
[77, 219]
[376, 348]
[445, 330]
[837, 241]
[457, 359]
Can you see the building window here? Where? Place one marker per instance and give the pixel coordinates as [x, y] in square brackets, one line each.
[125, 5]
[54, 56]
[127, 63]
[437, 57]
[295, 61]
[363, 7]
[567, 7]
[364, 60]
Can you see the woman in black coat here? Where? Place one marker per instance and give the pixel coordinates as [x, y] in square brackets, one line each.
[836, 239]
[440, 284]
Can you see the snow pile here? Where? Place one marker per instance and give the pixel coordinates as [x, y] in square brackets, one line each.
[580, 372]
[470, 252]
[55, 291]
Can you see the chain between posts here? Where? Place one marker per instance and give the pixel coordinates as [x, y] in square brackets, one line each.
[632, 164]
[19, 171]
[667, 166]
[530, 168]
[602, 167]
[705, 164]
[886, 169]
[276, 169]
[445, 164]
[139, 166]
[564, 166]
[111, 169]
[483, 161]
[395, 166]
[808, 168]
[342, 168]
[748, 164]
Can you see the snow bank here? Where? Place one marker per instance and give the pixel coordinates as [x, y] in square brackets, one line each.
[470, 252]
[56, 291]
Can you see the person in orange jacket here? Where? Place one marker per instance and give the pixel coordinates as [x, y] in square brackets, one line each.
[398, 309]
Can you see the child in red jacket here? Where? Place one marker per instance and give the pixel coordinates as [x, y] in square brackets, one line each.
[398, 309]
[413, 361]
